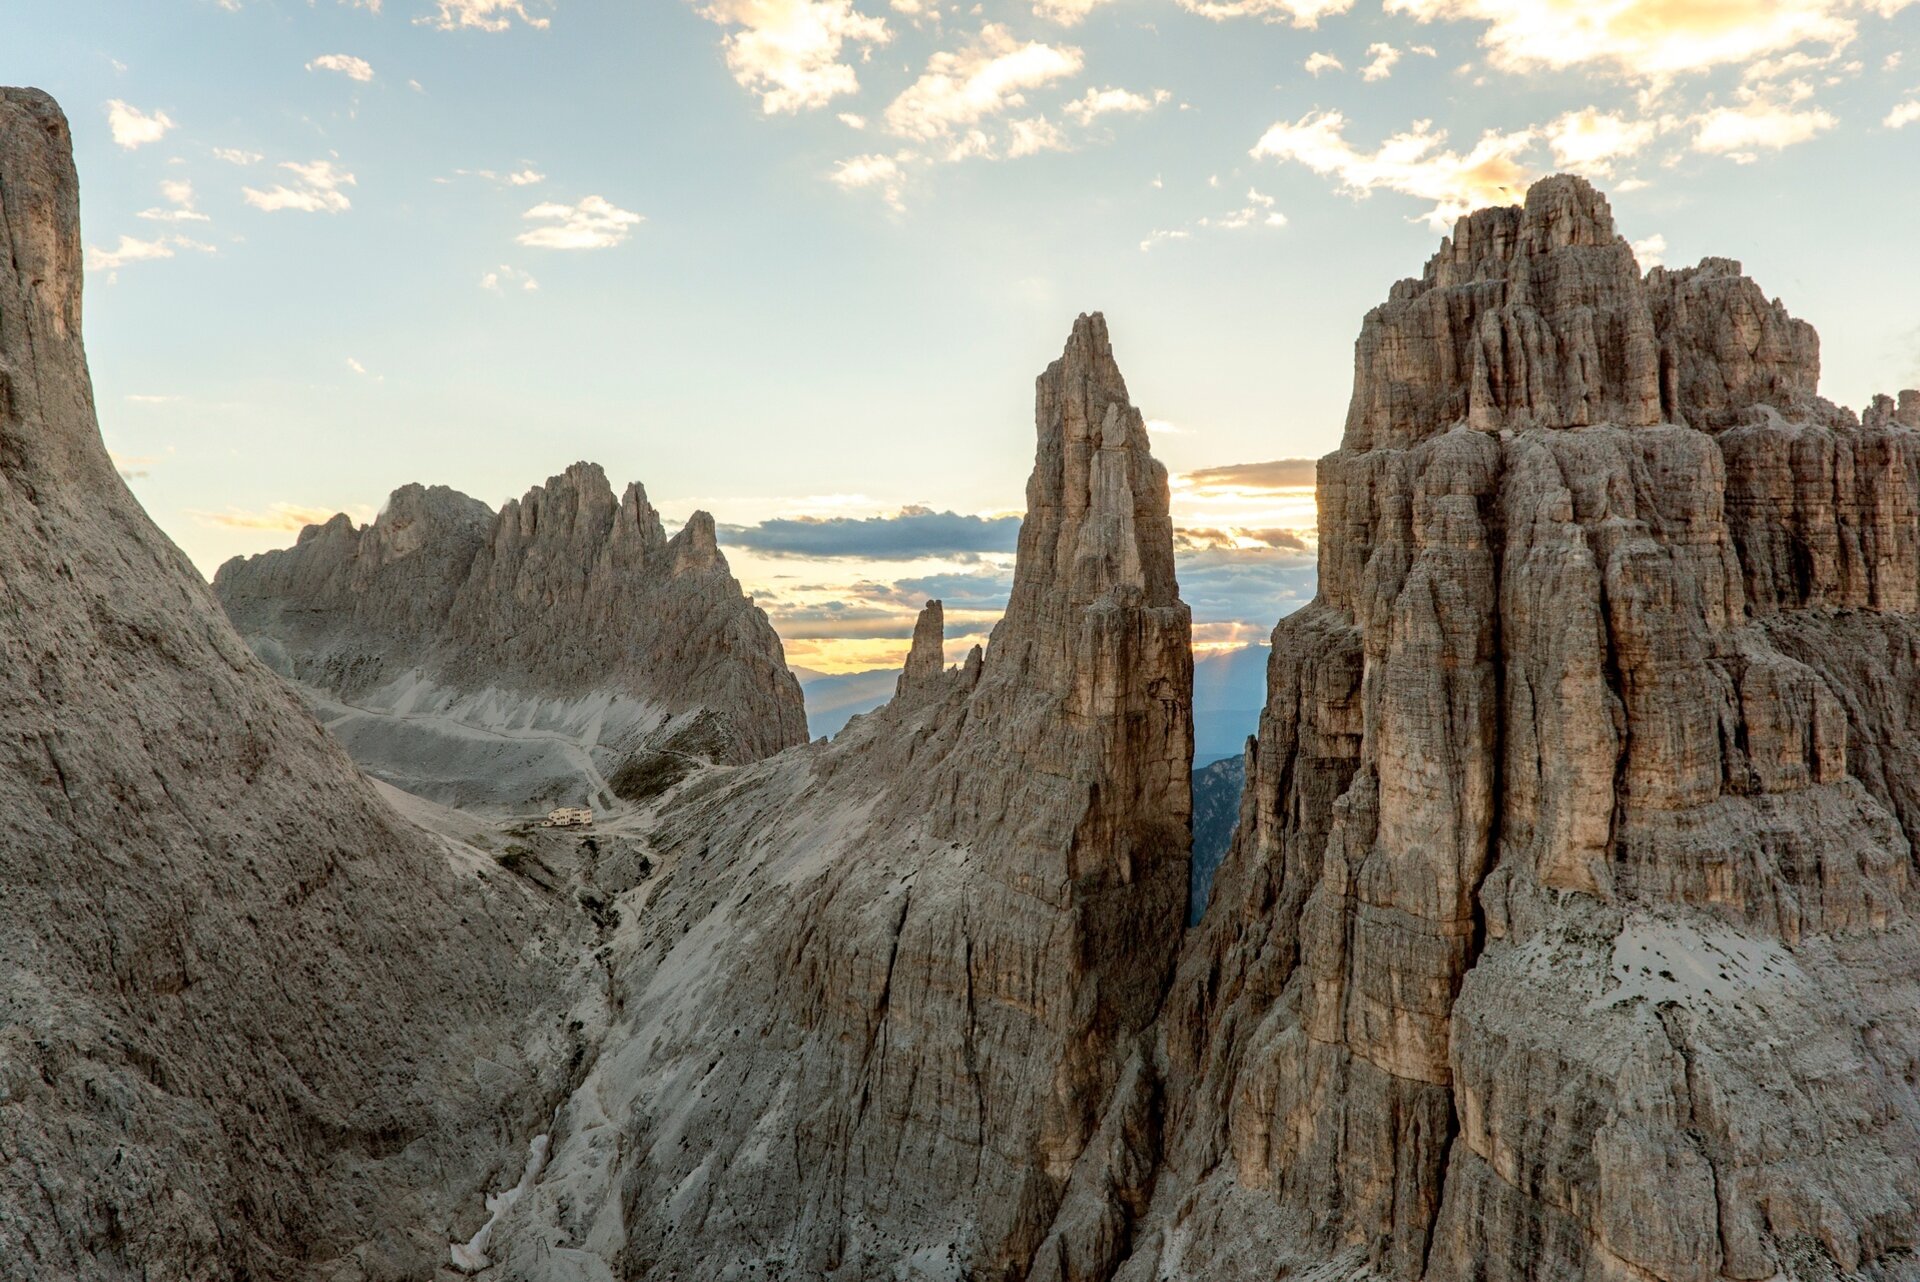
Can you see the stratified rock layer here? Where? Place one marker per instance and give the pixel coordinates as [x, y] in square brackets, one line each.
[888, 1014]
[1569, 932]
[252, 1024]
[483, 658]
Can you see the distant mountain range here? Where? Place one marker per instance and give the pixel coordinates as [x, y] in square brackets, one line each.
[1229, 689]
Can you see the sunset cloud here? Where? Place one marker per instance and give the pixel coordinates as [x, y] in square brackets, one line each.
[964, 87]
[1646, 39]
[1415, 162]
[284, 518]
[910, 534]
[1759, 124]
[1589, 141]
[790, 52]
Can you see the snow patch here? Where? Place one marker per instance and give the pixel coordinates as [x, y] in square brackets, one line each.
[471, 1256]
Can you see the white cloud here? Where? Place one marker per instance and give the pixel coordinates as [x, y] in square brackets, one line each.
[347, 65]
[503, 276]
[853, 120]
[1650, 252]
[132, 127]
[965, 86]
[179, 195]
[1589, 141]
[1101, 102]
[1065, 12]
[1647, 38]
[316, 190]
[356, 367]
[1903, 115]
[1258, 211]
[484, 15]
[1758, 124]
[1301, 13]
[1161, 237]
[235, 156]
[132, 250]
[789, 51]
[1034, 135]
[1415, 163]
[594, 223]
[1319, 62]
[1383, 56]
[526, 177]
[882, 174]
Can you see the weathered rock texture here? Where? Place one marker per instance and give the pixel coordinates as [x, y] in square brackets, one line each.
[887, 1015]
[1569, 932]
[503, 658]
[252, 1024]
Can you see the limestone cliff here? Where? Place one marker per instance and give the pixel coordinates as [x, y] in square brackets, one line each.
[896, 989]
[1569, 931]
[484, 658]
[252, 1024]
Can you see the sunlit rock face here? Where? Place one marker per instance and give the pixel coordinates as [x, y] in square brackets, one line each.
[889, 1015]
[1569, 932]
[252, 1024]
[522, 657]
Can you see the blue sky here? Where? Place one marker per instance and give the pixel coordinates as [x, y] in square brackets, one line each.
[798, 261]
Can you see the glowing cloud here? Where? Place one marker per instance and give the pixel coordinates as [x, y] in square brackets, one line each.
[963, 87]
[1903, 115]
[789, 51]
[1414, 163]
[1646, 38]
[1589, 141]
[1741, 133]
[284, 518]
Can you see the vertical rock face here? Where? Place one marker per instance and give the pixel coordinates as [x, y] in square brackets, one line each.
[1569, 931]
[482, 658]
[889, 1014]
[242, 1004]
[926, 658]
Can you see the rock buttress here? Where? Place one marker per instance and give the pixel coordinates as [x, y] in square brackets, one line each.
[1569, 930]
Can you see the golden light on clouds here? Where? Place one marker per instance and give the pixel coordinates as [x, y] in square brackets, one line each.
[1415, 162]
[1647, 39]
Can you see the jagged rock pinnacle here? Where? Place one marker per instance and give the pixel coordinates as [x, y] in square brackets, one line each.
[926, 658]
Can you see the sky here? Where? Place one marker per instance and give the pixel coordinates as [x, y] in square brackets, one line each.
[797, 262]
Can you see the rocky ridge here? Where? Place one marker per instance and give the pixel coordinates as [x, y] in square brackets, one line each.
[890, 1011]
[482, 658]
[252, 1023]
[1569, 930]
